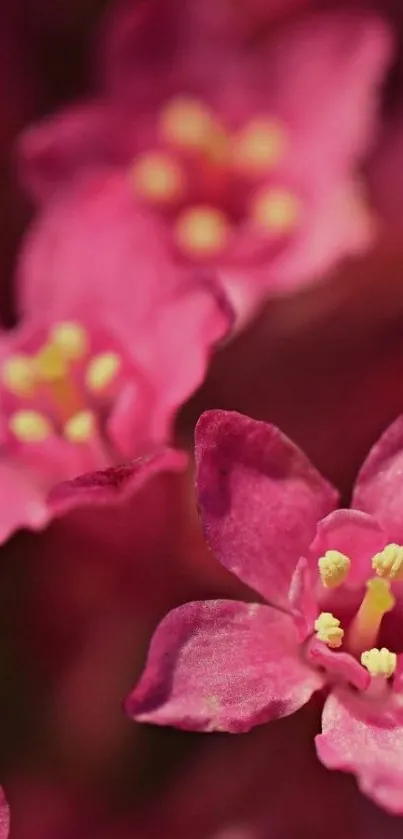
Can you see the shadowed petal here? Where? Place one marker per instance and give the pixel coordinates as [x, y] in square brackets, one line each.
[360, 736]
[379, 486]
[260, 499]
[222, 666]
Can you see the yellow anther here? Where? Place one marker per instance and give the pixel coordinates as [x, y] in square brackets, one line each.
[333, 568]
[389, 562]
[101, 370]
[30, 426]
[259, 146]
[275, 210]
[158, 177]
[71, 340]
[80, 427]
[328, 630]
[377, 601]
[379, 662]
[50, 363]
[18, 375]
[187, 123]
[202, 231]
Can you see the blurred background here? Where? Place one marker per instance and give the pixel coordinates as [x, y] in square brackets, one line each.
[323, 361]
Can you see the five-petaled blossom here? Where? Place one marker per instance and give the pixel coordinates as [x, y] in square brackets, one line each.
[85, 386]
[333, 616]
[247, 159]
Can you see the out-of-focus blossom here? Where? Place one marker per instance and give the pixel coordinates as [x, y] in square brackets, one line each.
[325, 365]
[248, 160]
[4, 817]
[334, 595]
[88, 384]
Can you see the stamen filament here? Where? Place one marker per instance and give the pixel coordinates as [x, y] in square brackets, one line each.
[377, 601]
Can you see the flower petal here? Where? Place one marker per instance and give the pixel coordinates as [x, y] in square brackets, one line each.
[52, 151]
[359, 737]
[260, 499]
[379, 487]
[220, 665]
[354, 534]
[23, 503]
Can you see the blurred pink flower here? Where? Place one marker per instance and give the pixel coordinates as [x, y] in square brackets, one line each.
[327, 583]
[87, 383]
[4, 817]
[247, 159]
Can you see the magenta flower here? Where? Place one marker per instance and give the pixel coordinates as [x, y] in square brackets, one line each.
[248, 160]
[85, 385]
[331, 582]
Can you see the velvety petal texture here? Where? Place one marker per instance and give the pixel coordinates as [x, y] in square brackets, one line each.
[259, 498]
[362, 737]
[222, 666]
[354, 534]
[379, 486]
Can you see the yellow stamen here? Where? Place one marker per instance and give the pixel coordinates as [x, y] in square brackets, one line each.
[18, 375]
[389, 562]
[333, 568]
[379, 662]
[276, 210]
[70, 339]
[377, 601]
[259, 146]
[50, 363]
[80, 428]
[187, 124]
[328, 630]
[30, 426]
[53, 369]
[101, 370]
[158, 178]
[202, 231]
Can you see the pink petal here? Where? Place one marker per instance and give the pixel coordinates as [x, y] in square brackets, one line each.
[338, 665]
[52, 151]
[359, 736]
[220, 665]
[379, 484]
[325, 70]
[23, 503]
[260, 499]
[354, 534]
[117, 484]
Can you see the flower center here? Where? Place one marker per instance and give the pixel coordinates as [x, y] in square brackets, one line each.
[211, 179]
[56, 390]
[363, 631]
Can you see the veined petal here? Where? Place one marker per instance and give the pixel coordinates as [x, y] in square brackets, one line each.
[222, 666]
[359, 736]
[379, 489]
[260, 499]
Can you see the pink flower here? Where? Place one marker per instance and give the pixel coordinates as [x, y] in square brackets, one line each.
[247, 159]
[88, 383]
[331, 582]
